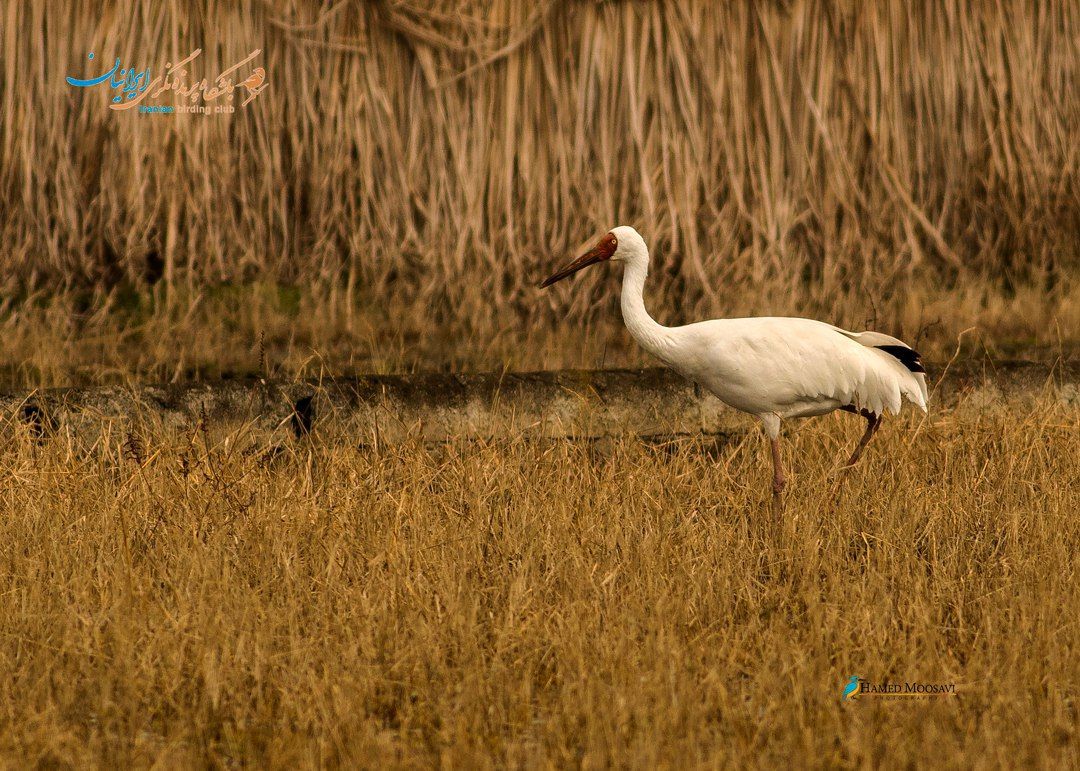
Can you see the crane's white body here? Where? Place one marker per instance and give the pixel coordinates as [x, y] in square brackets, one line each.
[771, 367]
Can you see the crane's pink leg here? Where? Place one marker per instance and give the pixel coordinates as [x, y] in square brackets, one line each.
[778, 481]
[873, 422]
[770, 421]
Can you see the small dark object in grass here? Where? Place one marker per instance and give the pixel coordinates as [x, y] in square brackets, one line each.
[303, 416]
[37, 419]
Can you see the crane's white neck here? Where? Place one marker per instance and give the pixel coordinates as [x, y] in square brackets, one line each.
[649, 334]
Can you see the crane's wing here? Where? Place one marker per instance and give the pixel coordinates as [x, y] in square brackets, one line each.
[798, 367]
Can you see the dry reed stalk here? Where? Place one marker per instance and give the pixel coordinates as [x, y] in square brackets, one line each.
[779, 157]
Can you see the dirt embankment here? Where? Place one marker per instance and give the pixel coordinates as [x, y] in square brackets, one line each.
[435, 407]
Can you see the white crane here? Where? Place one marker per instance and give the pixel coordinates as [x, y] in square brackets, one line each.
[772, 368]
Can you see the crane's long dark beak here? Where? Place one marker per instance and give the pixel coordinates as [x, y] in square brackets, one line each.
[602, 251]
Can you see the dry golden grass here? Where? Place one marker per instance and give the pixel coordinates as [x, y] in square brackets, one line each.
[802, 157]
[186, 600]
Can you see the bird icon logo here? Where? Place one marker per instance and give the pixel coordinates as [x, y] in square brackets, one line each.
[851, 690]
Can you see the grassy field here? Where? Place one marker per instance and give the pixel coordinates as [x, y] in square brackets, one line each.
[190, 599]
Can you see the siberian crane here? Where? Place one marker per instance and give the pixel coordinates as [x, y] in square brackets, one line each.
[772, 368]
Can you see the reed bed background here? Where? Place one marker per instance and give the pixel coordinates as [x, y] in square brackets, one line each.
[420, 167]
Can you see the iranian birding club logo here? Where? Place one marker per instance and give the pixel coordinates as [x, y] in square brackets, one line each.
[857, 688]
[137, 88]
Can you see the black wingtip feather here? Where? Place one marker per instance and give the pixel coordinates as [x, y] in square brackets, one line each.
[909, 357]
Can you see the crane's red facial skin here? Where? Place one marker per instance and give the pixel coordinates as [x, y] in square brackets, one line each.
[599, 253]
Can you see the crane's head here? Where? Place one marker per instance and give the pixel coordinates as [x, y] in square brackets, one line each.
[619, 245]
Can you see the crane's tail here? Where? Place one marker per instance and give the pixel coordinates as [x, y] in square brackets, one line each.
[912, 375]
[920, 380]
